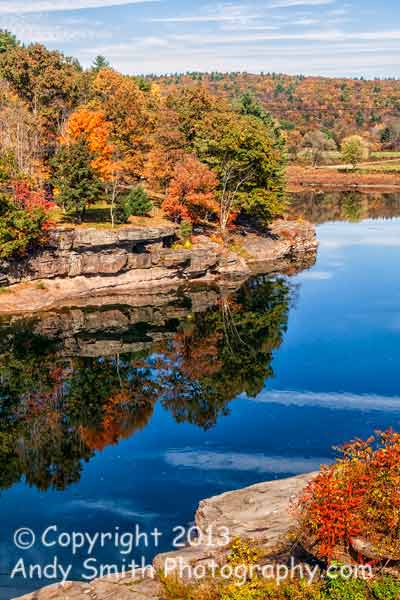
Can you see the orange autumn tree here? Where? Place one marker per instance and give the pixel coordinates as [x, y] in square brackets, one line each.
[168, 147]
[91, 126]
[159, 168]
[109, 162]
[191, 193]
[131, 114]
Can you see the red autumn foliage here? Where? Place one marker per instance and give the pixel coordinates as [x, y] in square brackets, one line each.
[29, 199]
[118, 421]
[191, 193]
[357, 496]
[196, 357]
[175, 210]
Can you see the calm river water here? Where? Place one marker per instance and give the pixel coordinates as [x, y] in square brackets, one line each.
[120, 417]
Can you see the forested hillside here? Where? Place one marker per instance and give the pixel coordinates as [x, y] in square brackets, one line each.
[337, 107]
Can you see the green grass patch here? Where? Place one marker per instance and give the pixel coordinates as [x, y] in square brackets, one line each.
[385, 168]
[388, 168]
[379, 588]
[338, 582]
[97, 215]
[385, 155]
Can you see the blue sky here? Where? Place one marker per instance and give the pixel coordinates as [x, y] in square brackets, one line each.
[325, 37]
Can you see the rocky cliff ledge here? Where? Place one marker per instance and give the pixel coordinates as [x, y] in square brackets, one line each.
[260, 512]
[89, 262]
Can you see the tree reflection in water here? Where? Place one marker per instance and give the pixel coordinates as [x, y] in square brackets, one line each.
[353, 206]
[223, 352]
[58, 408]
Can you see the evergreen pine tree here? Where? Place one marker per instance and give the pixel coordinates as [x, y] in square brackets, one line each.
[100, 62]
[74, 177]
[137, 202]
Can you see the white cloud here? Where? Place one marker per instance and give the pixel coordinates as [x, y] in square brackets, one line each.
[378, 35]
[371, 235]
[240, 26]
[123, 51]
[329, 35]
[116, 508]
[316, 275]
[54, 33]
[331, 400]
[333, 60]
[222, 13]
[338, 12]
[304, 22]
[38, 6]
[235, 461]
[289, 3]
[202, 19]
[152, 42]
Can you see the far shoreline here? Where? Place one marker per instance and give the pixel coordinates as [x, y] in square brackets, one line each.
[306, 178]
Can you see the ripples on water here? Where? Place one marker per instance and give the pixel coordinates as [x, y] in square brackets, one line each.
[123, 415]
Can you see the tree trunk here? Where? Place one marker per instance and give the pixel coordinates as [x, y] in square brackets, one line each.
[112, 213]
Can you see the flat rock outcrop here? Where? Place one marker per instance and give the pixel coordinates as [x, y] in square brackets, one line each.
[89, 262]
[260, 512]
[89, 252]
[81, 238]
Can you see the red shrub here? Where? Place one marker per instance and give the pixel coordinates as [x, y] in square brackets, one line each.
[357, 496]
[30, 199]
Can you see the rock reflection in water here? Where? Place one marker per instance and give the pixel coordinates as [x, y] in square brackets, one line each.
[72, 383]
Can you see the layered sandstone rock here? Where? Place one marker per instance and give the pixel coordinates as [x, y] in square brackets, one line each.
[90, 252]
[82, 263]
[72, 253]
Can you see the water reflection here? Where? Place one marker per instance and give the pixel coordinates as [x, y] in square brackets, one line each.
[76, 382]
[132, 399]
[321, 207]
